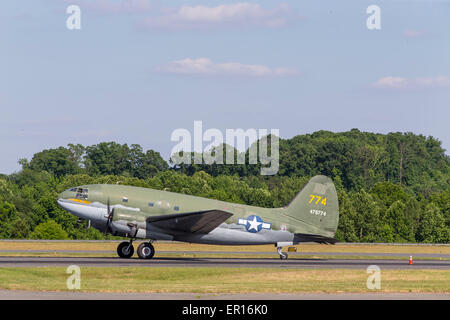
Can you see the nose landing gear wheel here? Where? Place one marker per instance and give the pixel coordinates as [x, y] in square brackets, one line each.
[125, 250]
[146, 250]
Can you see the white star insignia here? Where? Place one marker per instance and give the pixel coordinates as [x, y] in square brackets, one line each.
[254, 224]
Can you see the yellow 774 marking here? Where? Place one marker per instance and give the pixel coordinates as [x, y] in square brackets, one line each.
[323, 202]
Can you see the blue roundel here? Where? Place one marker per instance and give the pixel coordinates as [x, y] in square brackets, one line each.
[254, 224]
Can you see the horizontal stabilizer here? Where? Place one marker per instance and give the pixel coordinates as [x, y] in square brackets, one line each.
[194, 222]
[302, 237]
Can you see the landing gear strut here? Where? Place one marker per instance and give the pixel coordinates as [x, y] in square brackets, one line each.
[283, 255]
[126, 249]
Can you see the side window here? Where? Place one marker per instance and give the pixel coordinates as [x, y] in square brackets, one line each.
[82, 194]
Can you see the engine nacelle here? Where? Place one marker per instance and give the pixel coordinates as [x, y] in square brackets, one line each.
[128, 216]
[124, 220]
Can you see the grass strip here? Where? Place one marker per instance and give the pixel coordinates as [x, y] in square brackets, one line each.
[224, 280]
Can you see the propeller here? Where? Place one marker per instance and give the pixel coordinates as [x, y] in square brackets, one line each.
[109, 216]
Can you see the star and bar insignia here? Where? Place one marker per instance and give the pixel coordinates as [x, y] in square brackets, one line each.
[254, 223]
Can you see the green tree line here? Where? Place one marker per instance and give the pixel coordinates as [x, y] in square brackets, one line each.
[391, 188]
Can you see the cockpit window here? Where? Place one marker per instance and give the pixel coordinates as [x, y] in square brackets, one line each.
[82, 193]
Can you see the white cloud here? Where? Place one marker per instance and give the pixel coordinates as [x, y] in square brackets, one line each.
[413, 33]
[236, 14]
[204, 66]
[408, 83]
[391, 82]
[114, 6]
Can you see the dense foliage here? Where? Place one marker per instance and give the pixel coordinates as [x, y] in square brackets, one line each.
[392, 188]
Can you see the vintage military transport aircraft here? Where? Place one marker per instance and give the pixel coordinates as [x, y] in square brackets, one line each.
[142, 213]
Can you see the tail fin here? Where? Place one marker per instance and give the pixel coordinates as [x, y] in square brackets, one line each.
[317, 205]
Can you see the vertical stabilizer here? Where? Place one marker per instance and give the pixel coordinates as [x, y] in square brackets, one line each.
[317, 205]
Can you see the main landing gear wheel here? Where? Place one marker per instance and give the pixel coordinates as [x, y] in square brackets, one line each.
[125, 250]
[146, 250]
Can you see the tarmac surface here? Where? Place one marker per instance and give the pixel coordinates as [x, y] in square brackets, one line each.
[273, 253]
[296, 263]
[74, 295]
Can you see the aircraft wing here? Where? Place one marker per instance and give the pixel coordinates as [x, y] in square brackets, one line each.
[193, 222]
[303, 237]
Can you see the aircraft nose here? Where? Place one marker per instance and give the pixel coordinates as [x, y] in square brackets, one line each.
[66, 195]
[69, 201]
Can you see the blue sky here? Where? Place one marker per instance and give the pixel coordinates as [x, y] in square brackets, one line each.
[139, 69]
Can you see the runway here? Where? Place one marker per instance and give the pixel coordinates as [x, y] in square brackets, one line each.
[272, 253]
[71, 295]
[295, 263]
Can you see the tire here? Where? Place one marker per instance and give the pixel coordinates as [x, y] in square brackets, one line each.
[283, 256]
[146, 250]
[123, 252]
